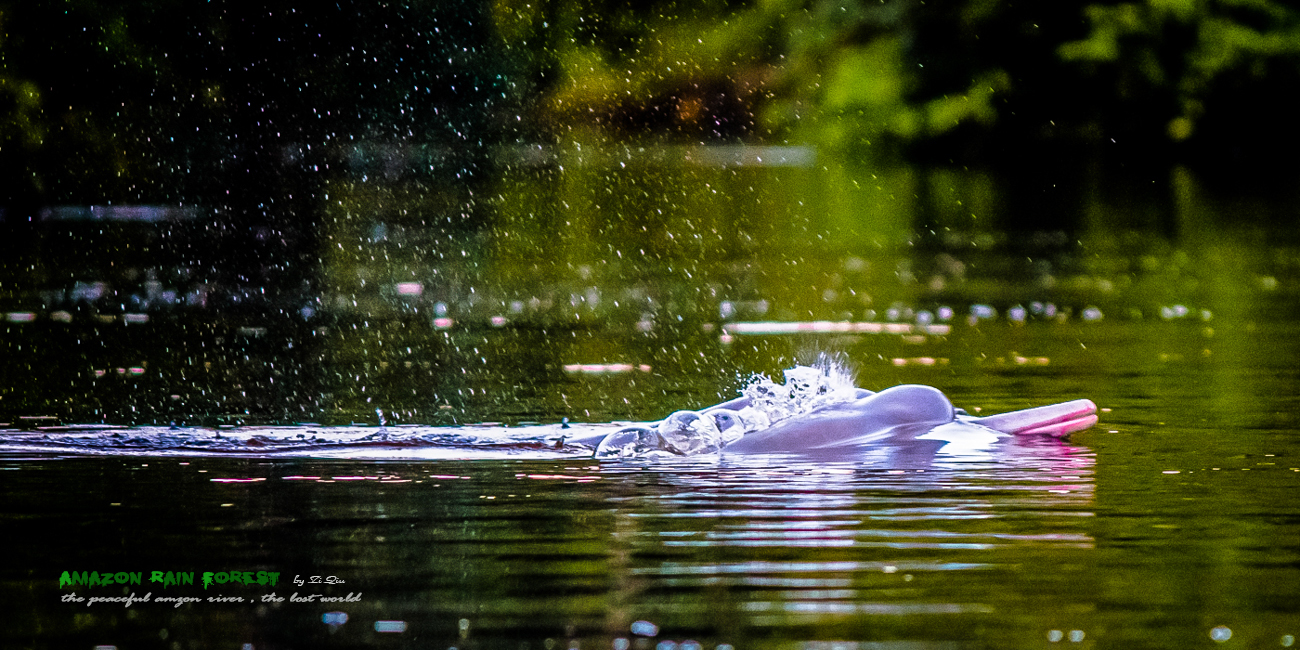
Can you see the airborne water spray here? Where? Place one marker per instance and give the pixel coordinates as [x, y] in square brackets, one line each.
[829, 380]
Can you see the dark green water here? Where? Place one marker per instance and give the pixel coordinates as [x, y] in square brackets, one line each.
[1174, 516]
[1171, 524]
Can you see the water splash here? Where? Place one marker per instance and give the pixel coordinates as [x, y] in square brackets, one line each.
[688, 433]
[807, 388]
[684, 433]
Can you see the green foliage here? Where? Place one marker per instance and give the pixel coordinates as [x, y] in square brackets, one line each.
[72, 101]
[870, 77]
[1188, 49]
[21, 121]
[837, 73]
[20, 104]
[847, 78]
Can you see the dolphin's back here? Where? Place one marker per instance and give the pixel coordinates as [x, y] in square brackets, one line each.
[898, 414]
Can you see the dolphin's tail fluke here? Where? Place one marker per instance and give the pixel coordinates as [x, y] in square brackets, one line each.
[1052, 420]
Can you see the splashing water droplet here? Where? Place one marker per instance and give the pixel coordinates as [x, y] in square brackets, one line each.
[806, 389]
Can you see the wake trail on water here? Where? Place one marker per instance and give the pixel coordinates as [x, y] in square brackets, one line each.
[806, 388]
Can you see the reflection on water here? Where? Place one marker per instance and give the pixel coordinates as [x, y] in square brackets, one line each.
[1149, 535]
[444, 301]
[492, 554]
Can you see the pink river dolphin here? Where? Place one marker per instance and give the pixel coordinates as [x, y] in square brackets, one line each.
[901, 417]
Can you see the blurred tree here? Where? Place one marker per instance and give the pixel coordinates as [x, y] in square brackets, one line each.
[981, 77]
[162, 99]
[73, 64]
[1225, 68]
[20, 103]
[835, 72]
[167, 100]
[21, 122]
[859, 67]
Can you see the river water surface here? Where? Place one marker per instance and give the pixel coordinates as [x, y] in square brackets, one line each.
[251, 443]
[1171, 523]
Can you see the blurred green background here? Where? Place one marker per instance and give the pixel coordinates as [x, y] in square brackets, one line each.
[124, 101]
